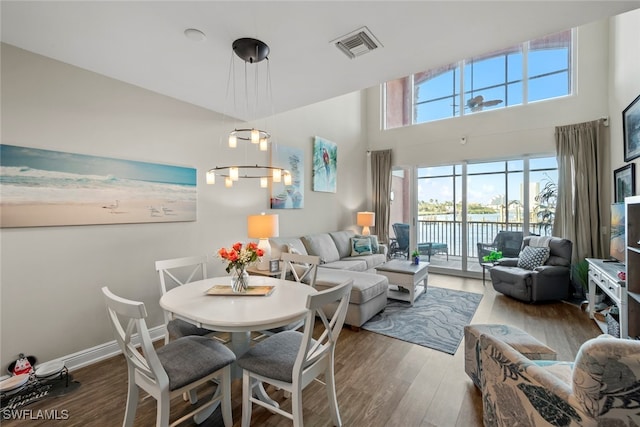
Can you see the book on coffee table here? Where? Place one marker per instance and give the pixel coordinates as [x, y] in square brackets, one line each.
[251, 290]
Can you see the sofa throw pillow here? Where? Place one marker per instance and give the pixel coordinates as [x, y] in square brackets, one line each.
[375, 246]
[532, 257]
[360, 246]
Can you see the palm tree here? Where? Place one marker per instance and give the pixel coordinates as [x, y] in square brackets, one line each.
[546, 209]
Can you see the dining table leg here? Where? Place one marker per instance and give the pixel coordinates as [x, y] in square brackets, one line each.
[240, 343]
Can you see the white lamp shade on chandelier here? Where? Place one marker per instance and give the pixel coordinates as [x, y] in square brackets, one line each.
[366, 220]
[263, 227]
[252, 52]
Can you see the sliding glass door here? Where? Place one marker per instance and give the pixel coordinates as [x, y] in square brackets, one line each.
[458, 206]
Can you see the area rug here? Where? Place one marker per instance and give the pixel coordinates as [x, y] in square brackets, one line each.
[436, 320]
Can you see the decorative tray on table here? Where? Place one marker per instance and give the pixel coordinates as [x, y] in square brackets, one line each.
[251, 291]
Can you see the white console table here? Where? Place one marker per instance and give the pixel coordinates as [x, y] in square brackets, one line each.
[604, 275]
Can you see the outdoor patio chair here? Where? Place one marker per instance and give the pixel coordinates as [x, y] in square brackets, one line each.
[401, 244]
[507, 242]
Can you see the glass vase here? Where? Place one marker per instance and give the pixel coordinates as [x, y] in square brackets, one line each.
[240, 280]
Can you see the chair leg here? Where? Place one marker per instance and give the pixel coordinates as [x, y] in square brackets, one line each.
[132, 403]
[162, 409]
[331, 395]
[246, 399]
[190, 396]
[296, 406]
[227, 416]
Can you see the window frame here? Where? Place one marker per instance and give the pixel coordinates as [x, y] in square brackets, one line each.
[459, 68]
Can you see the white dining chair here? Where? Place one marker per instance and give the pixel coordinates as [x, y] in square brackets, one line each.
[177, 272]
[302, 269]
[290, 360]
[173, 369]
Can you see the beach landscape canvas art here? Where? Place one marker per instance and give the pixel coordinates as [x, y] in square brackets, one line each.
[325, 165]
[54, 188]
[288, 196]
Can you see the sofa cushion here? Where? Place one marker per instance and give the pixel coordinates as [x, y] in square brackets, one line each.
[342, 239]
[322, 245]
[349, 263]
[282, 244]
[366, 286]
[532, 257]
[373, 260]
[361, 246]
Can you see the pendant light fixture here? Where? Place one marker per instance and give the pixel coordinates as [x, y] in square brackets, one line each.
[251, 51]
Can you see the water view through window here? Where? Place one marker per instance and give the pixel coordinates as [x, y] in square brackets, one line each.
[514, 195]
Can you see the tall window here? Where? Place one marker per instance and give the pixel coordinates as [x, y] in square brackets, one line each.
[535, 70]
[516, 195]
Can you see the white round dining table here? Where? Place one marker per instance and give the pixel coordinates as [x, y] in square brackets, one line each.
[238, 314]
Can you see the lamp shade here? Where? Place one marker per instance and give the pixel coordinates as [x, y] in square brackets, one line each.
[263, 226]
[366, 219]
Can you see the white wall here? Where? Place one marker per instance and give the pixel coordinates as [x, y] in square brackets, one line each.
[624, 80]
[505, 133]
[51, 304]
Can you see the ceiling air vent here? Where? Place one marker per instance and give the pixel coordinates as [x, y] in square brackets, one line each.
[357, 42]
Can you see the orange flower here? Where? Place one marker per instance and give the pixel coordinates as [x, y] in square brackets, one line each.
[240, 257]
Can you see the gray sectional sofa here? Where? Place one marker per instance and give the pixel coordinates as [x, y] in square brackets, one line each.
[337, 264]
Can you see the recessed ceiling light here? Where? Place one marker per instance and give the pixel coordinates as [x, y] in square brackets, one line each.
[195, 35]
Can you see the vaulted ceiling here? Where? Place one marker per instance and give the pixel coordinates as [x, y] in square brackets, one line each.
[143, 42]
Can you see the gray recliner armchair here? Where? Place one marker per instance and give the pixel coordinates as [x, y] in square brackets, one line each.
[549, 281]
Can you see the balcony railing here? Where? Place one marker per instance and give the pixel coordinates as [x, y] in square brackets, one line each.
[450, 232]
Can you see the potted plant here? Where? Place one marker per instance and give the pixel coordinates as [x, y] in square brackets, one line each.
[580, 277]
[493, 256]
[415, 255]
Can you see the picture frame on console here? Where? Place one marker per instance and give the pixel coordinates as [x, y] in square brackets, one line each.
[624, 182]
[631, 130]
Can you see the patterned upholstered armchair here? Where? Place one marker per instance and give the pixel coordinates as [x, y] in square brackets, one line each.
[601, 388]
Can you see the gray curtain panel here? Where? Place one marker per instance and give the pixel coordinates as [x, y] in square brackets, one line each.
[582, 205]
[381, 177]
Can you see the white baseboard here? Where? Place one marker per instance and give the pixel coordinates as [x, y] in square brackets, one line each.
[104, 351]
[100, 352]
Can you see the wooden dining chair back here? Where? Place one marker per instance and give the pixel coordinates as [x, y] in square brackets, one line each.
[171, 370]
[302, 268]
[290, 360]
[177, 272]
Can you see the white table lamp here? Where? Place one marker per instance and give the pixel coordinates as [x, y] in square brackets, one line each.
[262, 227]
[366, 220]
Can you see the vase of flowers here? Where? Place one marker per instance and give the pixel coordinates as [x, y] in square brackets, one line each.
[238, 258]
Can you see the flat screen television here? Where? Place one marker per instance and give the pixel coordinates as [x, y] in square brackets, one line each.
[617, 243]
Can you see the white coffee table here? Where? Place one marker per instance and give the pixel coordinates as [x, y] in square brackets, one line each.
[405, 275]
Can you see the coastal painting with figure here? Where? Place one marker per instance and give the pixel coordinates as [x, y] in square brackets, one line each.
[325, 165]
[52, 188]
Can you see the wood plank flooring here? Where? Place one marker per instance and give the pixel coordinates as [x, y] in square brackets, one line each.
[381, 381]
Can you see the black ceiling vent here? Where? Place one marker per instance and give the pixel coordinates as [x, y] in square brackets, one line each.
[357, 42]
